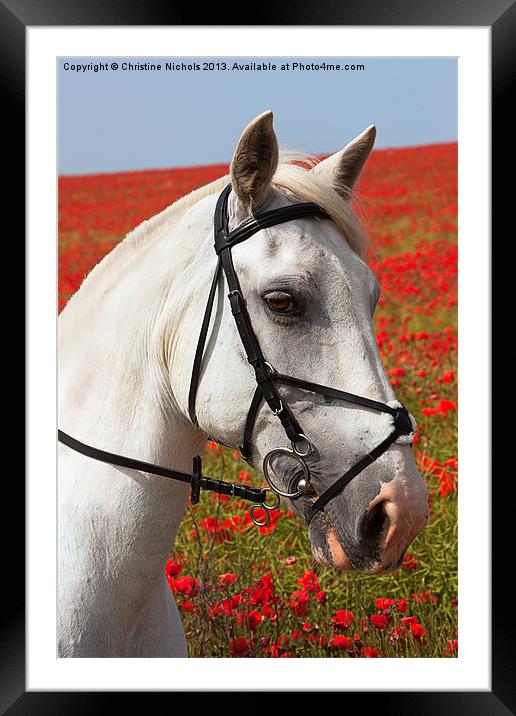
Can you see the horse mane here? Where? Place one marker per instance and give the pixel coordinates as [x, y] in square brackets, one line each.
[292, 178]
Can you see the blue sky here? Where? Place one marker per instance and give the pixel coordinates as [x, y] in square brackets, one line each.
[112, 121]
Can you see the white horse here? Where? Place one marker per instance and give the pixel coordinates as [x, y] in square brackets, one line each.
[126, 345]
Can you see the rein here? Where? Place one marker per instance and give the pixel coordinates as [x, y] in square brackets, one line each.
[267, 382]
[197, 481]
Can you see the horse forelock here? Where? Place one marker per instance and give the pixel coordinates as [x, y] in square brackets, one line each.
[294, 178]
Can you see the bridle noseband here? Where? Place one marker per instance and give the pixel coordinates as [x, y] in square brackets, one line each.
[267, 382]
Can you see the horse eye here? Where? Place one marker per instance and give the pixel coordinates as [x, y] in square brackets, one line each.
[280, 302]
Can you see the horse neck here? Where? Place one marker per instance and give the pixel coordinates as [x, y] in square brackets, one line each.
[121, 339]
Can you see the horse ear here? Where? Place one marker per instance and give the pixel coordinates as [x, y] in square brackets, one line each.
[254, 161]
[343, 168]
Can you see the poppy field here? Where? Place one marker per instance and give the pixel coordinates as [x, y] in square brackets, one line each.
[248, 591]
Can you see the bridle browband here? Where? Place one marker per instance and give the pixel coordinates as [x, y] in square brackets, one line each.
[267, 382]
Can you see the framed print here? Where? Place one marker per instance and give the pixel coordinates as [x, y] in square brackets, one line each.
[328, 388]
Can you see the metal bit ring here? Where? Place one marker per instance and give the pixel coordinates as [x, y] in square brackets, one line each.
[266, 508]
[295, 456]
[309, 448]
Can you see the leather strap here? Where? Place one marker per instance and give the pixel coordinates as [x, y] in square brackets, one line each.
[196, 480]
[250, 343]
[201, 343]
[266, 219]
[341, 483]
[224, 241]
[220, 227]
[249, 423]
[334, 393]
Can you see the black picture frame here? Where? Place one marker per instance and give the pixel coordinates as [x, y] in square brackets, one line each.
[500, 16]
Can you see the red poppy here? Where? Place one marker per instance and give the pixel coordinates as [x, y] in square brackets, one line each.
[254, 618]
[299, 602]
[239, 646]
[341, 642]
[244, 477]
[409, 620]
[409, 562]
[402, 605]
[227, 578]
[309, 582]
[453, 646]
[342, 619]
[384, 603]
[229, 604]
[186, 585]
[418, 630]
[172, 569]
[397, 372]
[379, 621]
[425, 598]
[188, 606]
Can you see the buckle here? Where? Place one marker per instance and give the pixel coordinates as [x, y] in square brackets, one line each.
[279, 410]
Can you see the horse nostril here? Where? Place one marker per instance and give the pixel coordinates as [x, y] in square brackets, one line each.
[375, 521]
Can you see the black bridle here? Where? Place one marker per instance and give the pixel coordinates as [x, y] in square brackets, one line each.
[267, 382]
